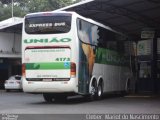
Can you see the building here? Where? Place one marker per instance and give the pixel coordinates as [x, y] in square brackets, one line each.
[10, 49]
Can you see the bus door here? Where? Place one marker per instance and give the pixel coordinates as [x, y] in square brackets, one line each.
[84, 77]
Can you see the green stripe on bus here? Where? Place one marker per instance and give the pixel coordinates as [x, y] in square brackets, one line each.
[47, 66]
[105, 56]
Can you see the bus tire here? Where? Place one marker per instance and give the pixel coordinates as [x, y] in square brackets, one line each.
[7, 90]
[60, 98]
[127, 88]
[100, 91]
[93, 91]
[47, 97]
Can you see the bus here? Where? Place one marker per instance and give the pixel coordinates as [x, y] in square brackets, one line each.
[65, 54]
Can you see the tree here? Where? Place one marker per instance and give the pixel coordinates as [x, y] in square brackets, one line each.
[22, 7]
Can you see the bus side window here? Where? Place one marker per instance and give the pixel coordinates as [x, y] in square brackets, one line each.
[120, 46]
[102, 41]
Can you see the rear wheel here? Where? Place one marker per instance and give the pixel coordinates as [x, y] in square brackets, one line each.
[93, 91]
[48, 97]
[7, 90]
[60, 98]
[100, 91]
[128, 87]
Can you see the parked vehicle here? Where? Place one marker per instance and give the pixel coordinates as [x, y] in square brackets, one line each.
[13, 83]
[64, 53]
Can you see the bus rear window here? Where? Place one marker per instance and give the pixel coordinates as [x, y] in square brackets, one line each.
[47, 24]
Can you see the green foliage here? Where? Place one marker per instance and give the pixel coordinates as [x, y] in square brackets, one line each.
[22, 7]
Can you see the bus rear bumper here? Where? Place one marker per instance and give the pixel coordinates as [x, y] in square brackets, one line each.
[50, 87]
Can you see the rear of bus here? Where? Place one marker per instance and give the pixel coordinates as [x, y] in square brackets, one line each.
[48, 56]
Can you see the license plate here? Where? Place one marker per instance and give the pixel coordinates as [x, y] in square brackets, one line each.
[47, 80]
[11, 82]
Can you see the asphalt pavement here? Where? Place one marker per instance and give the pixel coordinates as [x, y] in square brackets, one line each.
[30, 105]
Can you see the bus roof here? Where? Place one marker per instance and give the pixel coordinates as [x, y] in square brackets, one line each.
[73, 13]
[48, 12]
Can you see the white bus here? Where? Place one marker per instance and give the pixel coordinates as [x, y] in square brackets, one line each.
[64, 53]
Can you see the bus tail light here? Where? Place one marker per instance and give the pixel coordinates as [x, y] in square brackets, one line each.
[23, 70]
[73, 69]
